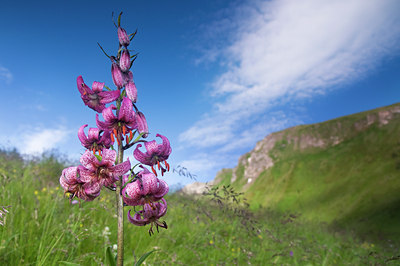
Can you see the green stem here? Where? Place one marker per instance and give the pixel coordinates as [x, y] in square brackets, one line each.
[120, 207]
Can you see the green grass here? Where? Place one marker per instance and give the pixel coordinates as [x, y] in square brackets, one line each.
[42, 228]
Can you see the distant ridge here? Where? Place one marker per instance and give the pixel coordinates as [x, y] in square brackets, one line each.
[343, 171]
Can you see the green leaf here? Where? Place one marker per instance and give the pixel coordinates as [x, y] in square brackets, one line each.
[133, 35]
[138, 137]
[119, 19]
[144, 257]
[111, 259]
[103, 50]
[98, 157]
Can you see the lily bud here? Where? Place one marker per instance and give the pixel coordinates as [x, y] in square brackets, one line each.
[123, 37]
[125, 61]
[117, 76]
[131, 91]
[142, 124]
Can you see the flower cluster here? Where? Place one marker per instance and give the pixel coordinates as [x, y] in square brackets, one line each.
[101, 164]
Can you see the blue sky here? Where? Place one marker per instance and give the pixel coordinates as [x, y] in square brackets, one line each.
[215, 77]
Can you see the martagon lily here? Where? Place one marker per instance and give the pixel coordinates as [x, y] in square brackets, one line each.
[155, 154]
[70, 181]
[146, 188]
[121, 125]
[150, 215]
[104, 171]
[94, 141]
[96, 98]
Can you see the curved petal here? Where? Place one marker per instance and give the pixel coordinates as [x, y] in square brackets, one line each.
[132, 193]
[165, 149]
[122, 168]
[137, 219]
[141, 157]
[108, 96]
[152, 147]
[102, 125]
[80, 83]
[162, 208]
[82, 137]
[161, 190]
[97, 86]
[126, 111]
[108, 158]
[92, 189]
[70, 175]
[89, 161]
[105, 139]
[86, 175]
[93, 134]
[149, 183]
[108, 114]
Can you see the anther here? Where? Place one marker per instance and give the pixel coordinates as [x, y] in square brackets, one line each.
[154, 171]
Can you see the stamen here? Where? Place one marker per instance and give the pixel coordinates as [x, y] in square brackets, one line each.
[130, 135]
[123, 130]
[112, 138]
[159, 166]
[94, 151]
[127, 139]
[154, 171]
[115, 133]
[167, 165]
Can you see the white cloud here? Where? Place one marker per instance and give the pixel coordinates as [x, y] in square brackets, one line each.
[40, 140]
[286, 50]
[5, 75]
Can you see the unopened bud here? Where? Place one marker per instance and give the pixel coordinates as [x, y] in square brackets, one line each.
[142, 124]
[123, 37]
[117, 76]
[131, 91]
[125, 61]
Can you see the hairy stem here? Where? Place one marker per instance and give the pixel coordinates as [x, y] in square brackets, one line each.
[120, 203]
[120, 213]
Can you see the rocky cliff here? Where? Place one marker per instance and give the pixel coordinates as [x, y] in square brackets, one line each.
[306, 137]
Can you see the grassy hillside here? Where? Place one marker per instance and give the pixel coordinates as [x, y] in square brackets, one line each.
[42, 228]
[353, 184]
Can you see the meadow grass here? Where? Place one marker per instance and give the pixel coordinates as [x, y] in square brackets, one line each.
[43, 228]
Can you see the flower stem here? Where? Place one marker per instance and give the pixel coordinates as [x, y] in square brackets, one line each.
[120, 211]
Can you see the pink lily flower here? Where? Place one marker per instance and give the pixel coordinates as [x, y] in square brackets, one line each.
[121, 125]
[146, 189]
[93, 141]
[156, 154]
[96, 98]
[150, 215]
[70, 181]
[104, 172]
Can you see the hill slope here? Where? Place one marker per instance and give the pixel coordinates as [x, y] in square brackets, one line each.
[343, 171]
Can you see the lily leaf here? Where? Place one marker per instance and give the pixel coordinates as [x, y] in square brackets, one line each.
[144, 257]
[111, 259]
